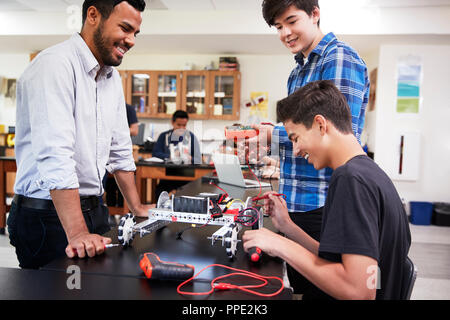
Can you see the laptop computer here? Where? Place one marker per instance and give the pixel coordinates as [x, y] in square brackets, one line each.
[229, 171]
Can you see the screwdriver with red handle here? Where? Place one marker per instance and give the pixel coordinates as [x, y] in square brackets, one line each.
[255, 253]
[155, 268]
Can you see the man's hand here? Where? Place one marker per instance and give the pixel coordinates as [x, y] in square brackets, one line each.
[86, 243]
[266, 240]
[81, 242]
[271, 170]
[276, 208]
[270, 162]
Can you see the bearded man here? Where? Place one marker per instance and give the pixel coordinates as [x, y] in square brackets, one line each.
[71, 127]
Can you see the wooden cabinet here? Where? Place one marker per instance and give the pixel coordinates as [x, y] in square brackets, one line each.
[166, 97]
[138, 91]
[203, 94]
[225, 95]
[195, 94]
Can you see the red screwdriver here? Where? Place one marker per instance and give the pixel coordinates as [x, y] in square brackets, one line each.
[255, 253]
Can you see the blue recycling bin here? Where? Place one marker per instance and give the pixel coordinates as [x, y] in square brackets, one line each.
[421, 212]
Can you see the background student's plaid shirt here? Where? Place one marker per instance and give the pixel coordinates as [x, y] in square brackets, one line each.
[304, 186]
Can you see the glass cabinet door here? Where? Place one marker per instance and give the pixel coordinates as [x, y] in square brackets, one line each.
[223, 95]
[195, 94]
[167, 94]
[203, 94]
[140, 87]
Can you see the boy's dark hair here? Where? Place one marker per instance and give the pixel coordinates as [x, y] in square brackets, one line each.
[318, 97]
[273, 8]
[180, 114]
[105, 7]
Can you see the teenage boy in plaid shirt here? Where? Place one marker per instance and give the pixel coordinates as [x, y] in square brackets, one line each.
[318, 57]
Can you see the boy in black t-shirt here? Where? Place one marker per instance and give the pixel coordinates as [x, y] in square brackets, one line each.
[365, 235]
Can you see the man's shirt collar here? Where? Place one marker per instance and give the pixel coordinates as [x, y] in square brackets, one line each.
[90, 63]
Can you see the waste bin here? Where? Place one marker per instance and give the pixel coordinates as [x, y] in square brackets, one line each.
[441, 214]
[421, 212]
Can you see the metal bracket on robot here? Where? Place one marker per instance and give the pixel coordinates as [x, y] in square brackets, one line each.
[171, 209]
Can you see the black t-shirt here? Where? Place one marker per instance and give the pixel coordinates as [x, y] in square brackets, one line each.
[363, 214]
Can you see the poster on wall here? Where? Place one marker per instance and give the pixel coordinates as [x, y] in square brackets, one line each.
[259, 107]
[409, 80]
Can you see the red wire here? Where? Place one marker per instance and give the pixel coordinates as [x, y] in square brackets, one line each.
[226, 193]
[246, 223]
[267, 197]
[260, 188]
[226, 286]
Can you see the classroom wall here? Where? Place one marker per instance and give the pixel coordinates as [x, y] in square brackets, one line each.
[433, 182]
[259, 72]
[11, 66]
[266, 73]
[368, 136]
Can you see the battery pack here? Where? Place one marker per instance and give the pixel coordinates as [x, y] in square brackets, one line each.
[190, 204]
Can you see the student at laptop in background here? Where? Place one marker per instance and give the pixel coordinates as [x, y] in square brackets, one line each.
[174, 136]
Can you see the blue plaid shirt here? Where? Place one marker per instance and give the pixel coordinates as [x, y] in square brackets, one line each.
[305, 187]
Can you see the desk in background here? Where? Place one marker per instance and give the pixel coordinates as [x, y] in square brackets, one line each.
[154, 171]
[7, 164]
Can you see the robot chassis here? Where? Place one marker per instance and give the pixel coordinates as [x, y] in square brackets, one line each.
[203, 209]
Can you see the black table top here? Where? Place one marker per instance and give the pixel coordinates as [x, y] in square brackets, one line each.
[116, 273]
[193, 248]
[203, 185]
[26, 284]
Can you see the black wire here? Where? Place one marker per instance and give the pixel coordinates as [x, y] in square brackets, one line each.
[182, 231]
[250, 220]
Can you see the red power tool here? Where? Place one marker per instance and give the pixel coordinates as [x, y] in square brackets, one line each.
[155, 268]
[240, 132]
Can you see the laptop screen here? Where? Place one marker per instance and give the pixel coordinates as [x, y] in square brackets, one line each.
[228, 169]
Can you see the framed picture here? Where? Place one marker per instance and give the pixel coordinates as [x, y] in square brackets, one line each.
[11, 89]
